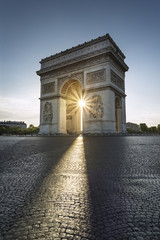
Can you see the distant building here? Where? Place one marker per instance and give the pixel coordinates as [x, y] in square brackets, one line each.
[22, 125]
[132, 126]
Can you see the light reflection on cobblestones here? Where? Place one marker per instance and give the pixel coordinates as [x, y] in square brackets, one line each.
[59, 207]
[95, 188]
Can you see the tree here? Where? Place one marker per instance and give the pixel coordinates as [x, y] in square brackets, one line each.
[158, 128]
[3, 130]
[143, 127]
[152, 129]
[132, 131]
[31, 130]
[15, 130]
[18, 131]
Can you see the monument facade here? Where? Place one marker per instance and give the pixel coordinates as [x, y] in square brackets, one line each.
[93, 72]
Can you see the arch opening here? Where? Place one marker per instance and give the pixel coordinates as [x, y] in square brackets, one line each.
[73, 93]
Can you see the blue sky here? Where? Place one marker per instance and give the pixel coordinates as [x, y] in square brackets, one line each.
[34, 29]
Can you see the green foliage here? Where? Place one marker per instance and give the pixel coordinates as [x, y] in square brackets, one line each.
[18, 131]
[152, 130]
[3, 129]
[31, 130]
[143, 127]
[15, 130]
[132, 131]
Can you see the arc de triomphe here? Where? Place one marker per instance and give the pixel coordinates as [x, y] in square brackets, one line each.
[93, 71]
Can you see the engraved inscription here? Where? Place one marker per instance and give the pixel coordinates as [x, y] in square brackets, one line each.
[96, 107]
[47, 113]
[119, 82]
[95, 77]
[48, 87]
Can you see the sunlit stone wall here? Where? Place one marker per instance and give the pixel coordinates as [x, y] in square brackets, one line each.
[98, 67]
[102, 117]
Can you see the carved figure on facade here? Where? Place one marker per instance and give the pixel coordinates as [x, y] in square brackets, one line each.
[96, 109]
[48, 112]
[48, 87]
[95, 77]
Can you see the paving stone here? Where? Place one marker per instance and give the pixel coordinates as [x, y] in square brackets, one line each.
[58, 188]
[140, 238]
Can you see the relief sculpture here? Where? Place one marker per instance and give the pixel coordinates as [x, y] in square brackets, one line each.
[95, 77]
[47, 112]
[96, 107]
[48, 87]
[117, 80]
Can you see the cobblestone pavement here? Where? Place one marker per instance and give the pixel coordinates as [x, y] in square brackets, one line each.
[80, 188]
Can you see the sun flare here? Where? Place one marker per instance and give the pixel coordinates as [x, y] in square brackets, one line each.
[81, 103]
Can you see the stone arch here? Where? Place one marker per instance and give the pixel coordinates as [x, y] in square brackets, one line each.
[71, 90]
[79, 76]
[67, 84]
[118, 114]
[94, 73]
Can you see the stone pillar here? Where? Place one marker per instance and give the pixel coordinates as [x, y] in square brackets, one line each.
[62, 115]
[119, 119]
[123, 115]
[41, 115]
[109, 111]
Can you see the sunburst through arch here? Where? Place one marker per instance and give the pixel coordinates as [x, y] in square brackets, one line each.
[77, 104]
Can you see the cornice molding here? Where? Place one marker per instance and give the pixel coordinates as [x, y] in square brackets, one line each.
[98, 120]
[102, 88]
[76, 64]
[85, 44]
[73, 61]
[52, 97]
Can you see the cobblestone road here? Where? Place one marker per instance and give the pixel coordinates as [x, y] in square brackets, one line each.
[59, 188]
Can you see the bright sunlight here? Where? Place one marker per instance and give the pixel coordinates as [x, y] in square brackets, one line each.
[81, 103]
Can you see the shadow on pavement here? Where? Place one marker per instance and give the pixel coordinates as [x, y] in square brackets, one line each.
[104, 158]
[23, 168]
